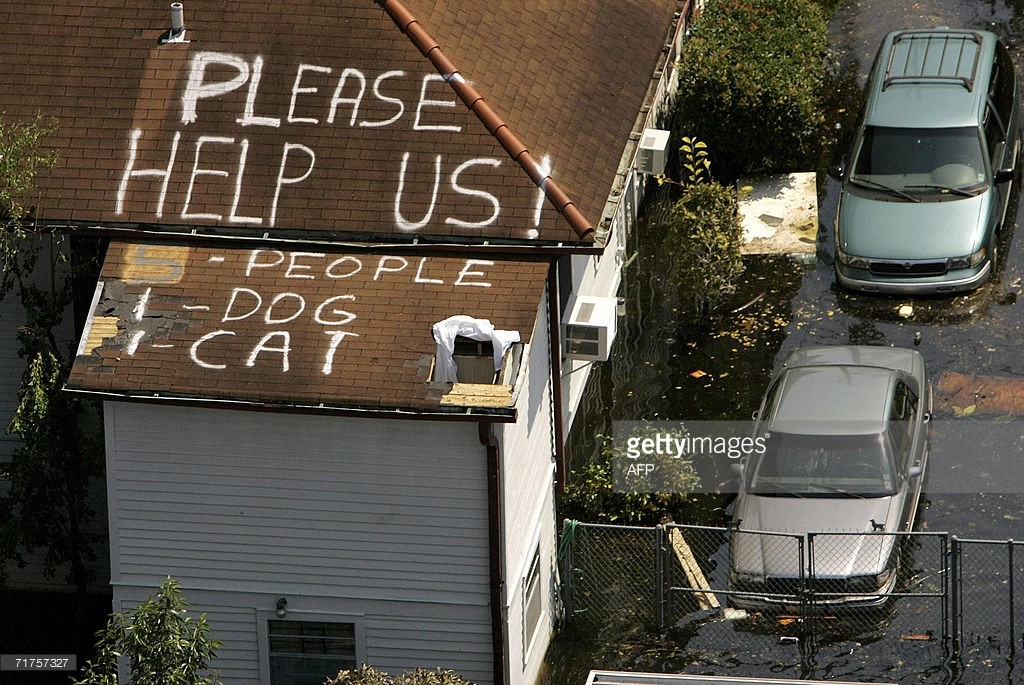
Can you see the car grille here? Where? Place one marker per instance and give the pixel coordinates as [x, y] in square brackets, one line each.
[909, 268]
[793, 587]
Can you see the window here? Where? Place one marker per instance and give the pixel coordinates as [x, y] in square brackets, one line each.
[1002, 83]
[768, 405]
[475, 360]
[994, 135]
[308, 652]
[533, 607]
[823, 466]
[902, 419]
[903, 157]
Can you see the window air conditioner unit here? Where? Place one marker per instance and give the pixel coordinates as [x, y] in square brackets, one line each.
[653, 151]
[590, 328]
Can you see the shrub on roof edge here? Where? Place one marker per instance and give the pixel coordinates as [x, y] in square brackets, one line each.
[750, 76]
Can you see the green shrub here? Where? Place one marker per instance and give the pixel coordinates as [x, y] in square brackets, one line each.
[590, 494]
[161, 643]
[750, 77]
[366, 675]
[705, 235]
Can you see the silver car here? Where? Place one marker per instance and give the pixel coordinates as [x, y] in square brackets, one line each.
[819, 510]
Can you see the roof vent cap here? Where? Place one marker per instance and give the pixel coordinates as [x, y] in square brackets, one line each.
[175, 34]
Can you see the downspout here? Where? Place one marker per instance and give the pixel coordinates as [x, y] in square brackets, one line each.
[496, 553]
[555, 353]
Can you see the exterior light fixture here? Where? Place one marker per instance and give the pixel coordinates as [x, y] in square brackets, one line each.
[281, 609]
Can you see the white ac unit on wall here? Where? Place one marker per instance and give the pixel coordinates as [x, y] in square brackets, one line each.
[653, 153]
[590, 328]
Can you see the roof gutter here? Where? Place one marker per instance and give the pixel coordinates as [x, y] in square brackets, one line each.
[474, 414]
[430, 49]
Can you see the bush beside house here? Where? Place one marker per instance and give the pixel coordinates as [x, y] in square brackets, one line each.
[750, 81]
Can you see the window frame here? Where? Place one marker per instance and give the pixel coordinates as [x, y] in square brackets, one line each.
[532, 586]
[902, 422]
[264, 617]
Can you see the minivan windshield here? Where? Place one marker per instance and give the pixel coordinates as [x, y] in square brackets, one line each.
[920, 161]
[823, 466]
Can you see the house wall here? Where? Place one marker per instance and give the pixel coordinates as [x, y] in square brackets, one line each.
[528, 467]
[381, 520]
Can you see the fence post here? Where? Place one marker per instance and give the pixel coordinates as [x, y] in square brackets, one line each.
[954, 593]
[807, 590]
[659, 575]
[944, 605]
[1009, 574]
[568, 542]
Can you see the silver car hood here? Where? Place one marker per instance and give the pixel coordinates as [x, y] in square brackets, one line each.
[844, 543]
[897, 230]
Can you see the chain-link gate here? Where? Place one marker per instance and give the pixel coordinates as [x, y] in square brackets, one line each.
[730, 591]
[609, 571]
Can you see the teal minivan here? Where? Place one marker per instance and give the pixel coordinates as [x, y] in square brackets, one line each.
[931, 168]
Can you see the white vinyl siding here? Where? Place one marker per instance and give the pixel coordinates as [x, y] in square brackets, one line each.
[386, 519]
[527, 449]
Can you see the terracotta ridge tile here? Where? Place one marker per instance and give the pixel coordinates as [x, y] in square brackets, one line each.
[430, 49]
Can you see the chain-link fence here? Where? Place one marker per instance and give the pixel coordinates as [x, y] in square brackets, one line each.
[987, 607]
[908, 598]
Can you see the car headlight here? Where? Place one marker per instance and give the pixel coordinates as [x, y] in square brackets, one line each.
[868, 584]
[969, 261]
[852, 261]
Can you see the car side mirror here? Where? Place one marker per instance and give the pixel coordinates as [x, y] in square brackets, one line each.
[914, 471]
[737, 468]
[1004, 175]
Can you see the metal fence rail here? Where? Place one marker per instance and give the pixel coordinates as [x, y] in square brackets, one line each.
[939, 599]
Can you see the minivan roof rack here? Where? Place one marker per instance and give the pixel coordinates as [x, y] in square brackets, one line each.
[924, 56]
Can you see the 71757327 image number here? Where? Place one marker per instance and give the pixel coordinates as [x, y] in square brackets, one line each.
[38, 662]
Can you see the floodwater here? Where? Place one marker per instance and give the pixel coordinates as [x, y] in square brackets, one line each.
[665, 369]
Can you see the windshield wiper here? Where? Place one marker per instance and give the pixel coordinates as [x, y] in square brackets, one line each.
[881, 186]
[770, 487]
[840, 491]
[945, 189]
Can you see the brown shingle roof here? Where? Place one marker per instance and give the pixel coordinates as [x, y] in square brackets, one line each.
[325, 118]
[322, 123]
[301, 329]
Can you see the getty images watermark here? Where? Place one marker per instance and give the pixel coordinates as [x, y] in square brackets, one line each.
[674, 456]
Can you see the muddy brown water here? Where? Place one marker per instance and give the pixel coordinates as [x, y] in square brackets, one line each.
[665, 369]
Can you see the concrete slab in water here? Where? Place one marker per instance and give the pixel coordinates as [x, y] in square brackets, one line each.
[779, 214]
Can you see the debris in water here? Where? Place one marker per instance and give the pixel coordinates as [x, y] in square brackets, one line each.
[906, 311]
[698, 374]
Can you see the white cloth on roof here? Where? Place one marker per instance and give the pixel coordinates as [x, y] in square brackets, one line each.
[445, 332]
